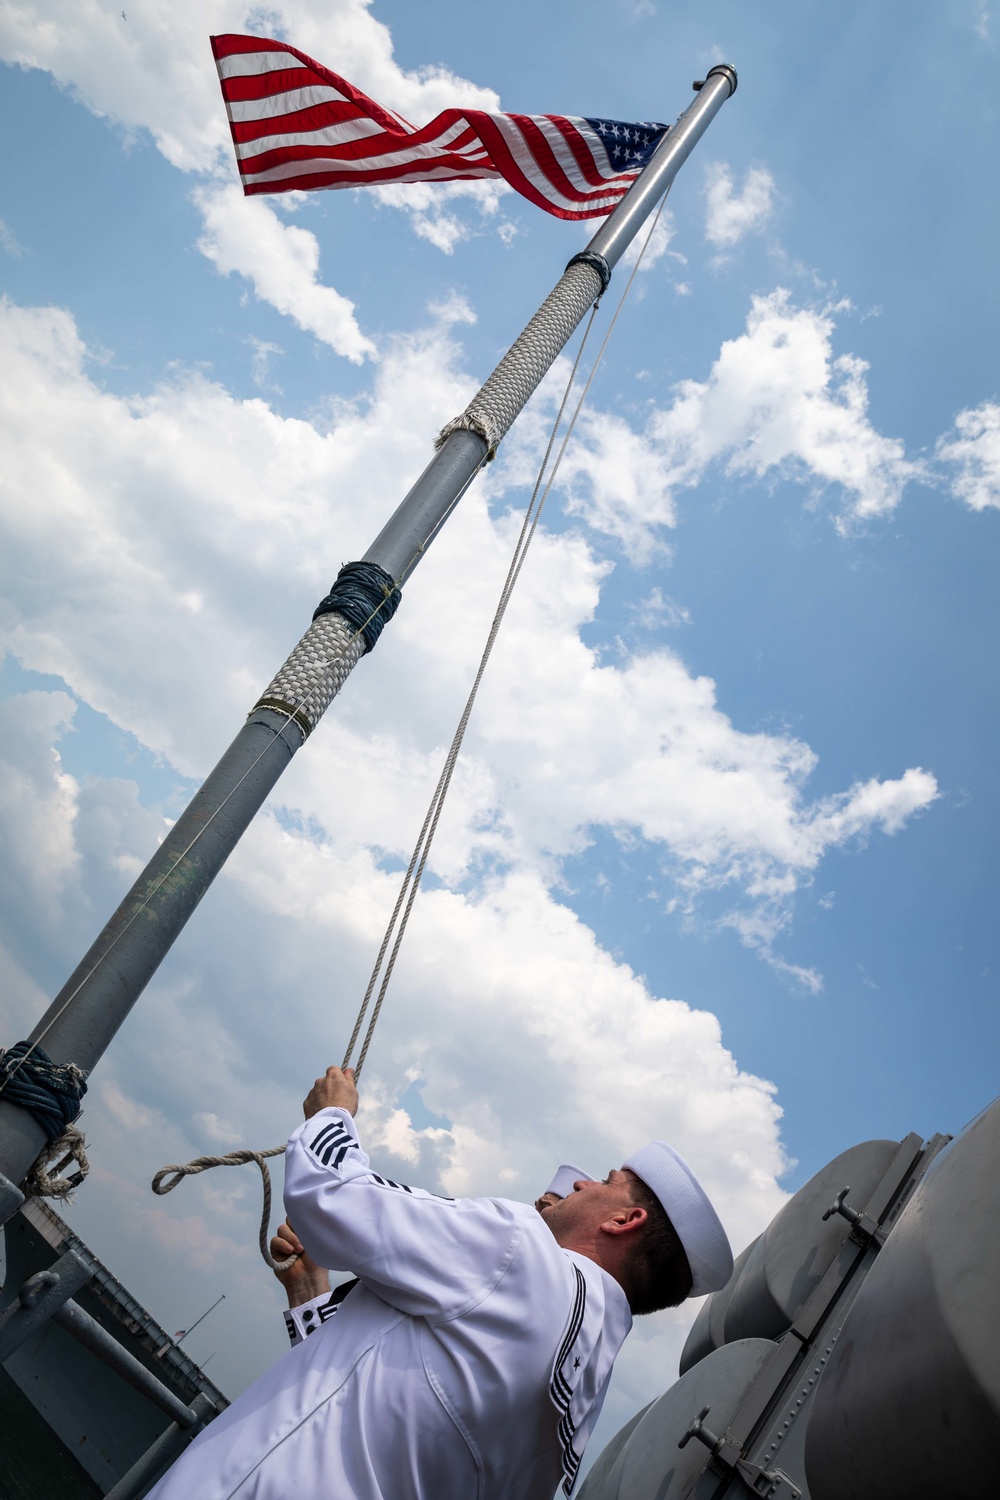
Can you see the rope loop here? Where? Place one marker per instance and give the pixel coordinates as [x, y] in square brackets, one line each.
[41, 1182]
[167, 1179]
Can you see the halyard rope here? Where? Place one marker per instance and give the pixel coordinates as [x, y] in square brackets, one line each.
[418, 860]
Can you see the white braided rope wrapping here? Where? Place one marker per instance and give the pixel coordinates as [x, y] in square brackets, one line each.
[492, 412]
[317, 669]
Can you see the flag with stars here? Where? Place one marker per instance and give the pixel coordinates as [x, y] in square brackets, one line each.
[296, 125]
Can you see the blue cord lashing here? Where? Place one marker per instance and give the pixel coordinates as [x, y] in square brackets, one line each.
[51, 1092]
[367, 597]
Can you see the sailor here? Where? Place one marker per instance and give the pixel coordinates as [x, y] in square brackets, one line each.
[312, 1302]
[473, 1357]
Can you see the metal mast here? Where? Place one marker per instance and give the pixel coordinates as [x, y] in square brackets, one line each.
[93, 1003]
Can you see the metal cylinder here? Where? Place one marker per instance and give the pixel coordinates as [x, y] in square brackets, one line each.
[87, 1331]
[910, 1401]
[419, 517]
[621, 226]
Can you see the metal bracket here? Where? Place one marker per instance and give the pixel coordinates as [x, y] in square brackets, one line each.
[39, 1298]
[863, 1227]
[771, 1484]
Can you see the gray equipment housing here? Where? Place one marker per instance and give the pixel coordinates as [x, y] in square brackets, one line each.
[854, 1352]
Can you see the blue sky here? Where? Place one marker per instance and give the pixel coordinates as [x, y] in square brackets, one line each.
[720, 859]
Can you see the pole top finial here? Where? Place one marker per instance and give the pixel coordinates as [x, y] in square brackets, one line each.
[726, 70]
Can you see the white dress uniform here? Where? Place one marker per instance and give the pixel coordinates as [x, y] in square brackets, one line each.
[469, 1363]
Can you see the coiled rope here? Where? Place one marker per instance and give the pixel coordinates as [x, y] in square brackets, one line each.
[51, 1093]
[169, 1177]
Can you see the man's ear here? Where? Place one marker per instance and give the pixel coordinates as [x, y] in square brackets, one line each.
[625, 1220]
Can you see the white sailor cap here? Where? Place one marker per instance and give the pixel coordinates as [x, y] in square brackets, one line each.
[692, 1215]
[562, 1182]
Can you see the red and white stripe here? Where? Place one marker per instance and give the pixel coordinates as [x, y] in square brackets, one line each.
[297, 125]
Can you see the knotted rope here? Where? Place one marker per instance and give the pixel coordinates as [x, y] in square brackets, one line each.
[51, 1093]
[418, 861]
[43, 1183]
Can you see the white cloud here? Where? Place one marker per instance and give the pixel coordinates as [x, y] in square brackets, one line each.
[427, 205]
[831, 823]
[659, 238]
[38, 803]
[9, 241]
[871, 803]
[614, 477]
[658, 611]
[261, 362]
[245, 235]
[731, 215]
[777, 400]
[975, 455]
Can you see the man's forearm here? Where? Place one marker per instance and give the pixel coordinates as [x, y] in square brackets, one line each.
[306, 1288]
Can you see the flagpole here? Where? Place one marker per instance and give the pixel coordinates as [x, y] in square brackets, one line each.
[87, 1012]
[179, 1338]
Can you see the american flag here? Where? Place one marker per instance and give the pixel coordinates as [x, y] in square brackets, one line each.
[297, 125]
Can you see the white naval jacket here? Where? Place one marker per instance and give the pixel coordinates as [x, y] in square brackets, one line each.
[470, 1363]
